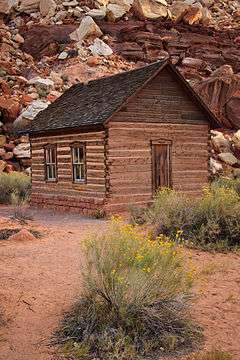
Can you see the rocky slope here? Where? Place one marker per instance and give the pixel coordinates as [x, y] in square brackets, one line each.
[47, 45]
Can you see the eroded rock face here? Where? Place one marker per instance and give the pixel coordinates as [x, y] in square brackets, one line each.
[7, 5]
[220, 92]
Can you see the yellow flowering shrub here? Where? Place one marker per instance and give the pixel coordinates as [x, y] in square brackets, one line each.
[135, 297]
[209, 222]
[129, 266]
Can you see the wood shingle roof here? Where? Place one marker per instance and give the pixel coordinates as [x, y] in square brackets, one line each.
[93, 103]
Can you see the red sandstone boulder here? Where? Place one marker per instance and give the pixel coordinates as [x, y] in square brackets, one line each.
[232, 109]
[221, 92]
[10, 108]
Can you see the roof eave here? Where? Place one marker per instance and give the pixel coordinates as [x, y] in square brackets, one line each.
[57, 131]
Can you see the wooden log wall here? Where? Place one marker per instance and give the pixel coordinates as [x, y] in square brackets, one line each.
[64, 194]
[129, 160]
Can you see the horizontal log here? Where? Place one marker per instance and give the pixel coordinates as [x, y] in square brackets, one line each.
[71, 137]
[169, 127]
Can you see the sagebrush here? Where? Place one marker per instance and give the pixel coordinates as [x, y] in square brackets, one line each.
[209, 222]
[135, 299]
[14, 183]
[227, 184]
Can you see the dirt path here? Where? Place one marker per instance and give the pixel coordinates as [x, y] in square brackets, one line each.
[217, 308]
[40, 280]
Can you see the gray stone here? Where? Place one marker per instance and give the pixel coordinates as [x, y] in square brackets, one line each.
[72, 3]
[22, 151]
[98, 13]
[99, 47]
[29, 114]
[63, 55]
[220, 143]
[215, 166]
[228, 158]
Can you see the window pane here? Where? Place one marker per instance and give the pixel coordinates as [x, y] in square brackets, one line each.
[47, 155]
[82, 171]
[74, 155]
[81, 155]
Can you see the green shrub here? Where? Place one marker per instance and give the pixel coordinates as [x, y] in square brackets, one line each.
[135, 299]
[14, 183]
[211, 222]
[212, 355]
[227, 184]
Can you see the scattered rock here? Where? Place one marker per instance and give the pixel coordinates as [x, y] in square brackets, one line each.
[22, 235]
[193, 15]
[10, 108]
[3, 165]
[149, 9]
[29, 6]
[18, 38]
[47, 7]
[228, 158]
[220, 143]
[3, 140]
[215, 166]
[99, 47]
[22, 151]
[178, 10]
[116, 11]
[7, 5]
[63, 55]
[29, 114]
[236, 139]
[98, 13]
[87, 28]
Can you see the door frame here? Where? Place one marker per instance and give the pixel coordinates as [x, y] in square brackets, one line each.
[160, 142]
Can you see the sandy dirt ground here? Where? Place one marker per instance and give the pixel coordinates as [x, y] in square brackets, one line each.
[40, 280]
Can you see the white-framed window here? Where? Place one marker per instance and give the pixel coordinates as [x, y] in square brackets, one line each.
[50, 162]
[78, 163]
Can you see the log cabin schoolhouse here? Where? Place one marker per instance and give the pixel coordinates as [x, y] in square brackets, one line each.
[114, 141]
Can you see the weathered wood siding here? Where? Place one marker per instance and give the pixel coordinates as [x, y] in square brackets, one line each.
[161, 110]
[129, 160]
[64, 193]
[162, 99]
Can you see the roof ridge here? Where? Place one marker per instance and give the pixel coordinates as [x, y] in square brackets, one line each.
[125, 72]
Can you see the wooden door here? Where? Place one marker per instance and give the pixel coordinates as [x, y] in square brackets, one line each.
[161, 166]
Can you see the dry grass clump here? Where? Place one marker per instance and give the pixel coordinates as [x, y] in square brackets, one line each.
[211, 222]
[135, 299]
[14, 183]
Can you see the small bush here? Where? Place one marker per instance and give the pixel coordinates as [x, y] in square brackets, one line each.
[211, 222]
[20, 208]
[227, 184]
[135, 299]
[14, 183]
[212, 355]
